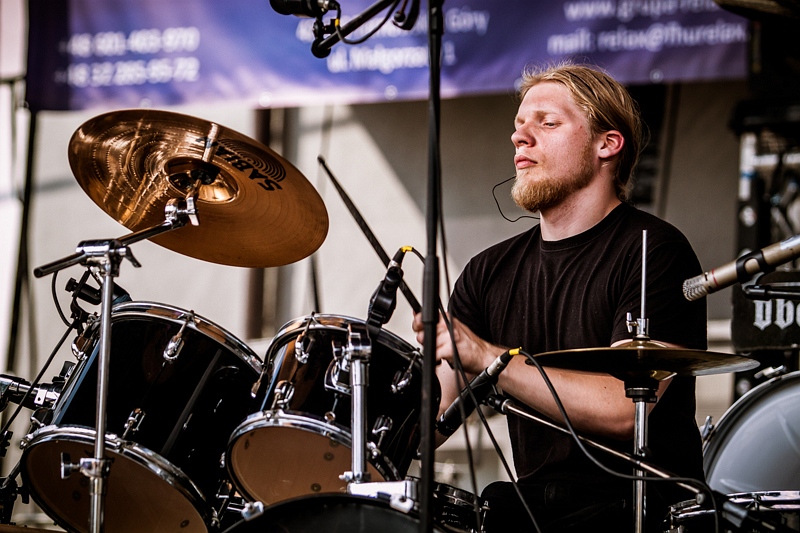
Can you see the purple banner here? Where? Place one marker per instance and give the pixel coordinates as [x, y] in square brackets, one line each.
[86, 54]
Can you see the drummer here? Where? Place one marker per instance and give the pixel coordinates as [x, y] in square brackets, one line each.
[568, 283]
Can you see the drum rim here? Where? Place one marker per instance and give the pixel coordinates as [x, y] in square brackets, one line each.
[145, 457]
[453, 494]
[333, 498]
[720, 434]
[312, 423]
[773, 500]
[340, 323]
[200, 324]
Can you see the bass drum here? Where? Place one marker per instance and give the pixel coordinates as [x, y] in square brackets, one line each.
[300, 442]
[755, 446]
[331, 513]
[178, 385]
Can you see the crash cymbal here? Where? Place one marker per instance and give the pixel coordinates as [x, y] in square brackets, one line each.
[255, 208]
[646, 359]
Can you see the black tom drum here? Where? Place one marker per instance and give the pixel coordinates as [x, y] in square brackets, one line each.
[299, 443]
[178, 386]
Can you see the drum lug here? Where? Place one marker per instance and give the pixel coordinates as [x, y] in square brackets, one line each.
[84, 342]
[707, 428]
[401, 380]
[284, 391]
[303, 345]
[337, 376]
[770, 372]
[383, 424]
[175, 344]
[133, 422]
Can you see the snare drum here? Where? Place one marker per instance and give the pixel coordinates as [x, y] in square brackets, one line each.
[299, 443]
[178, 386]
[458, 508]
[755, 444]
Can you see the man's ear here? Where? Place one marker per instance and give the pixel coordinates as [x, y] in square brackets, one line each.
[611, 142]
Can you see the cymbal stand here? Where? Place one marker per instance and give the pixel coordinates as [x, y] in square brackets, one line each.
[107, 255]
[642, 390]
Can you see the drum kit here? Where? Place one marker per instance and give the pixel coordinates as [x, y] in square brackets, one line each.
[202, 435]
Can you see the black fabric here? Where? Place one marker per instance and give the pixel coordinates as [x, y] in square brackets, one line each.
[575, 293]
[558, 506]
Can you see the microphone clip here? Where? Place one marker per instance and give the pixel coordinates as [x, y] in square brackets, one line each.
[742, 275]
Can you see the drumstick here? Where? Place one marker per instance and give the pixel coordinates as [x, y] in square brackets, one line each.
[412, 301]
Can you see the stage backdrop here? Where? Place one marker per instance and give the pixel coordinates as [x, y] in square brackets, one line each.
[87, 54]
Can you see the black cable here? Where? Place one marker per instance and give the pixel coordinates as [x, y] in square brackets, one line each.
[497, 203]
[55, 300]
[369, 34]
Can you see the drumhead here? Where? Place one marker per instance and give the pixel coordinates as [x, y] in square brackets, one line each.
[755, 446]
[164, 498]
[298, 463]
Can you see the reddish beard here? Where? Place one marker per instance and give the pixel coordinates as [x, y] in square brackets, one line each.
[539, 193]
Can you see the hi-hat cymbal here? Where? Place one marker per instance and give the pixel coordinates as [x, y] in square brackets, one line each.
[255, 208]
[646, 359]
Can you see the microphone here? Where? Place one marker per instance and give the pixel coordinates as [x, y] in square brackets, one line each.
[384, 299]
[481, 385]
[303, 8]
[742, 269]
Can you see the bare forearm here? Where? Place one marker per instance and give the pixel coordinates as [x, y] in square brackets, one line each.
[595, 403]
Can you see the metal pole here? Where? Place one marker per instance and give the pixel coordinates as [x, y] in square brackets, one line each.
[430, 296]
[640, 441]
[99, 469]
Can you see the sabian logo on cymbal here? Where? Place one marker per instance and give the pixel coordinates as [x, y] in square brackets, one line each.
[264, 169]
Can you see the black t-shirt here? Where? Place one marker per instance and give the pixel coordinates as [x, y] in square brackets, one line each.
[574, 293]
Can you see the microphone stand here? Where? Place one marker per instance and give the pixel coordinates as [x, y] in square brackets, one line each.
[107, 255]
[753, 291]
[430, 292]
